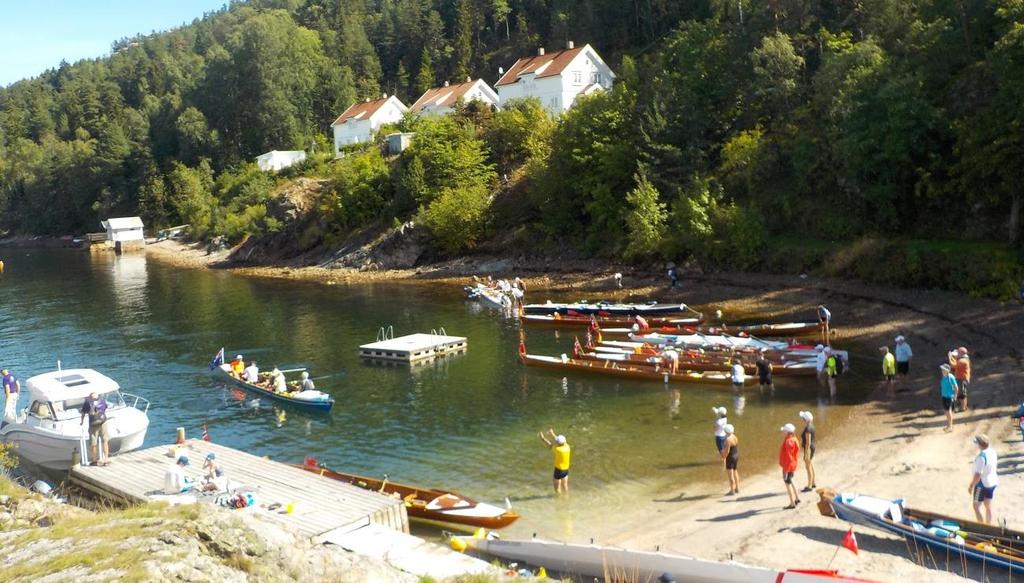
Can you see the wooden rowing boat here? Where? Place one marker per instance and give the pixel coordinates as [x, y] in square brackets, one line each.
[783, 330]
[316, 401]
[428, 504]
[698, 363]
[955, 539]
[557, 320]
[607, 309]
[630, 371]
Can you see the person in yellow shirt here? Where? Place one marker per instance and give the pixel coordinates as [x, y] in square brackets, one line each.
[888, 368]
[237, 367]
[562, 452]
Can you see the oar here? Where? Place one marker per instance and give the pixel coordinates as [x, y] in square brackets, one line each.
[293, 370]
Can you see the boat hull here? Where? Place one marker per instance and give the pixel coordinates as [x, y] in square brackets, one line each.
[602, 321]
[630, 371]
[606, 309]
[312, 406]
[54, 453]
[698, 365]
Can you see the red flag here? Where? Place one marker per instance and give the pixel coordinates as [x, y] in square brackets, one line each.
[850, 542]
[206, 434]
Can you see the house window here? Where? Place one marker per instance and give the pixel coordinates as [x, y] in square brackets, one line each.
[577, 78]
[554, 103]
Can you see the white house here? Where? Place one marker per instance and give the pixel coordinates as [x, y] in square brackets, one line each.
[275, 160]
[360, 120]
[123, 229]
[441, 100]
[556, 78]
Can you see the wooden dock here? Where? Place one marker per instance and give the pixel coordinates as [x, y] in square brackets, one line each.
[323, 508]
[413, 347]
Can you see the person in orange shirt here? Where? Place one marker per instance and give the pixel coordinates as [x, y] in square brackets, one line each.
[788, 454]
[960, 362]
[237, 366]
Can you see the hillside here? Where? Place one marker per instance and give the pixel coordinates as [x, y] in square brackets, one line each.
[798, 135]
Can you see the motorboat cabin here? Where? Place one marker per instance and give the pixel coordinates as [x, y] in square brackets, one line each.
[50, 431]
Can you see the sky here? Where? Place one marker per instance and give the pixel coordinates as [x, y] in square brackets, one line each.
[35, 35]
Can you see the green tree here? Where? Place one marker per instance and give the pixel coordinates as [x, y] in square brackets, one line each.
[646, 219]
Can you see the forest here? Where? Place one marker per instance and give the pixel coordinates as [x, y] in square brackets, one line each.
[876, 138]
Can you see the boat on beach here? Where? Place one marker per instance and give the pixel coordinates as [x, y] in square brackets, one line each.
[630, 370]
[782, 330]
[432, 505]
[50, 431]
[954, 538]
[306, 400]
[606, 309]
[707, 362]
[615, 564]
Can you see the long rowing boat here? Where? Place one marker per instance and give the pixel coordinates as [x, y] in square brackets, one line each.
[783, 330]
[611, 563]
[629, 370]
[699, 363]
[428, 504]
[306, 400]
[557, 320]
[606, 309]
[954, 538]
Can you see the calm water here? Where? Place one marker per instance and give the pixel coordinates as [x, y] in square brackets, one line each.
[467, 423]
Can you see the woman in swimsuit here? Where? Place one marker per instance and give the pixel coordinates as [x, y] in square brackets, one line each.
[731, 457]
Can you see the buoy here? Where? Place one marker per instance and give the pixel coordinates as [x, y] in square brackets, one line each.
[457, 544]
[542, 573]
[181, 436]
[290, 507]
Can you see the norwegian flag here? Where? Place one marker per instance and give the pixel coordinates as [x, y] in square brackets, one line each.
[206, 433]
[577, 350]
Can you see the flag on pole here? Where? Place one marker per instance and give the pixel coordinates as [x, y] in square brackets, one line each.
[218, 359]
[850, 542]
[206, 432]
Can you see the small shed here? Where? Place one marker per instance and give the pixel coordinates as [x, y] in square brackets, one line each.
[399, 141]
[123, 229]
[275, 160]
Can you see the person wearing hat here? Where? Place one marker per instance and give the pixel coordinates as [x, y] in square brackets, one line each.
[307, 383]
[960, 362]
[985, 479]
[210, 465]
[947, 389]
[731, 457]
[175, 480]
[720, 423]
[903, 356]
[808, 442]
[12, 389]
[562, 452]
[764, 372]
[788, 455]
[237, 366]
[888, 369]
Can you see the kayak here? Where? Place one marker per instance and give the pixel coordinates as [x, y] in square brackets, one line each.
[606, 309]
[428, 504]
[306, 400]
[998, 548]
[630, 370]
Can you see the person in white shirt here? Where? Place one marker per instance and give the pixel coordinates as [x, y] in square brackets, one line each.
[307, 383]
[277, 382]
[175, 480]
[251, 374]
[819, 363]
[903, 356]
[983, 484]
[720, 422]
[739, 374]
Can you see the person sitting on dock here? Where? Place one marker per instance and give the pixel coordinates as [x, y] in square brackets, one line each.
[217, 483]
[237, 367]
[562, 452]
[175, 480]
[210, 465]
[251, 374]
[307, 383]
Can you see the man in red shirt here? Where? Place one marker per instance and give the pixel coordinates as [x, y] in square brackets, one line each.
[788, 454]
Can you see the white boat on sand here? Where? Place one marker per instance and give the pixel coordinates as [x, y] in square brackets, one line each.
[628, 565]
[50, 431]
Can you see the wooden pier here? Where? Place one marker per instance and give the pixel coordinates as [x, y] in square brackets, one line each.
[322, 508]
[413, 347]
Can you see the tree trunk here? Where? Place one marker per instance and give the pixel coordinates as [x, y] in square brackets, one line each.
[1015, 218]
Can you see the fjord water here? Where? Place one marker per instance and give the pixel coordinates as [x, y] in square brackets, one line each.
[467, 423]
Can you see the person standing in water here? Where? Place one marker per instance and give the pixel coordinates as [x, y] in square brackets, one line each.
[562, 452]
[731, 457]
[807, 441]
[764, 372]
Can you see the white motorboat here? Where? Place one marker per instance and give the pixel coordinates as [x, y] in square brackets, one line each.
[50, 431]
[614, 563]
[489, 296]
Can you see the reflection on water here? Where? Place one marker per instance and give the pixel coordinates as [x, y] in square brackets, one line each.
[467, 422]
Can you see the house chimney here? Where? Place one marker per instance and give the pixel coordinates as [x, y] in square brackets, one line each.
[569, 45]
[540, 52]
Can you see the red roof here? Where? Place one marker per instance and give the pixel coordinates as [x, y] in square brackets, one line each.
[547, 65]
[442, 96]
[361, 110]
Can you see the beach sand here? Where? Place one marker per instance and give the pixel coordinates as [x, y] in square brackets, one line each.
[888, 447]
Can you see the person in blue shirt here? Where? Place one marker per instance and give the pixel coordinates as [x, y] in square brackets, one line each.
[948, 389]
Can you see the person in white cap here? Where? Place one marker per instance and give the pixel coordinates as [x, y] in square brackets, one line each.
[562, 452]
[903, 356]
[731, 457]
[237, 366]
[819, 363]
[789, 453]
[807, 441]
[720, 423]
[983, 484]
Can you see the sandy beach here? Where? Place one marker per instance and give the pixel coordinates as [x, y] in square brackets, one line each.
[888, 447]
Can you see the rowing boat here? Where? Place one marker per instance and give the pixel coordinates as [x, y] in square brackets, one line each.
[615, 564]
[783, 330]
[629, 370]
[489, 296]
[606, 309]
[706, 363]
[428, 504]
[306, 400]
[955, 539]
[558, 320]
